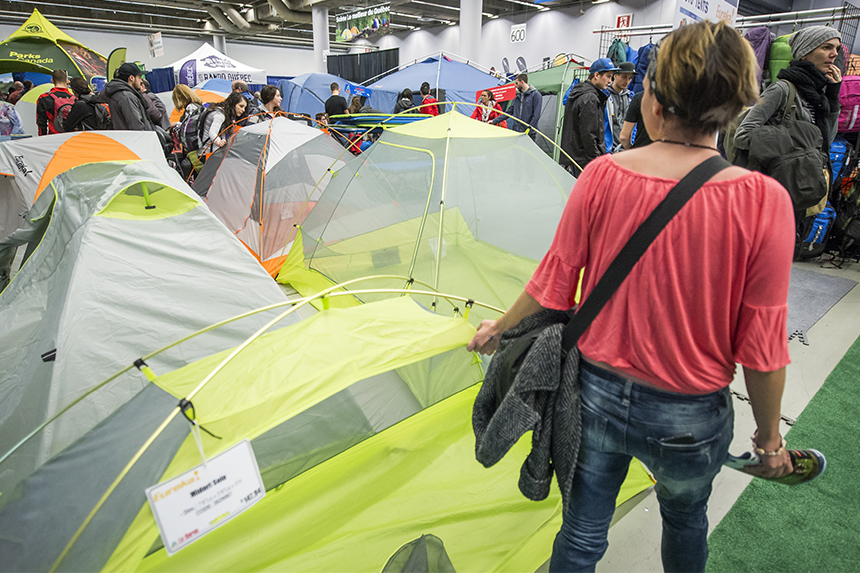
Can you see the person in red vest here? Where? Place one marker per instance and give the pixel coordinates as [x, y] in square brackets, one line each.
[58, 101]
[490, 110]
[431, 109]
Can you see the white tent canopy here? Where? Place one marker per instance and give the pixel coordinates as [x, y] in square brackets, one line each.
[207, 63]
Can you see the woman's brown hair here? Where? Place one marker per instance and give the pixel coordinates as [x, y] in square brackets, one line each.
[182, 96]
[355, 105]
[704, 74]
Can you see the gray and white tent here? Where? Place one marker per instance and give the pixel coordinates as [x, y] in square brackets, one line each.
[124, 259]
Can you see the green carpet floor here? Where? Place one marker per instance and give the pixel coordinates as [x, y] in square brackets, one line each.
[811, 527]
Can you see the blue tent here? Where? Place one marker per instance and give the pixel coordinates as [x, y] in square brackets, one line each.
[216, 85]
[306, 94]
[459, 81]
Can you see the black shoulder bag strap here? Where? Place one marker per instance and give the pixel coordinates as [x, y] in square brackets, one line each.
[637, 245]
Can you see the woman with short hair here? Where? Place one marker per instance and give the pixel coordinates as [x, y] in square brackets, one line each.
[271, 98]
[710, 292]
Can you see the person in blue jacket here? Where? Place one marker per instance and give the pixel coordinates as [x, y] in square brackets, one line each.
[526, 107]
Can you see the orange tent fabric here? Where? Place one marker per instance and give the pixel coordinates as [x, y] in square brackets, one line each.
[88, 147]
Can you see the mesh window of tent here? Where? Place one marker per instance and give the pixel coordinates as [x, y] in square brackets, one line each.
[494, 196]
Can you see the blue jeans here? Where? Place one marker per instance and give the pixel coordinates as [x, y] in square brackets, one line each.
[683, 439]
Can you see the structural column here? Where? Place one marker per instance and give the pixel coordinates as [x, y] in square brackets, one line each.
[470, 28]
[220, 43]
[321, 35]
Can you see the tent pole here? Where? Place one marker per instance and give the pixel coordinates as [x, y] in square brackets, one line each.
[559, 113]
[438, 73]
[442, 203]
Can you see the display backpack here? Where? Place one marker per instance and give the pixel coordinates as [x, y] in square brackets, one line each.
[617, 52]
[845, 237]
[814, 234]
[102, 112]
[62, 107]
[840, 161]
[780, 56]
[849, 99]
[642, 60]
[190, 126]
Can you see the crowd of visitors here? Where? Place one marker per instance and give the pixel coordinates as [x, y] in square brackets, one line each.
[667, 402]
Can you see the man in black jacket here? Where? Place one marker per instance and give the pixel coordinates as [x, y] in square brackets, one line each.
[582, 135]
[128, 107]
[82, 116]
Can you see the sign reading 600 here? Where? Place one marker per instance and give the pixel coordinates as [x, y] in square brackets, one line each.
[518, 33]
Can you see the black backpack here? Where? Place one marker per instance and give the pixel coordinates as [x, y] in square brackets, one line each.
[101, 112]
[790, 152]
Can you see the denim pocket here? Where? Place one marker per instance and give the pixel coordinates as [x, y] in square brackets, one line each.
[685, 461]
[593, 429]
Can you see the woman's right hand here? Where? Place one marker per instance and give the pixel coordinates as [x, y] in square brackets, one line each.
[772, 466]
[220, 142]
[486, 340]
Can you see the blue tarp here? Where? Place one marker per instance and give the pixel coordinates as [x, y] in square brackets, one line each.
[306, 94]
[460, 81]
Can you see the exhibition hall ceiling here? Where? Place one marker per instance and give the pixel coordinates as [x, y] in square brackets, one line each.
[285, 22]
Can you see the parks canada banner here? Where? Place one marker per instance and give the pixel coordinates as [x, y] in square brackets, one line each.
[366, 23]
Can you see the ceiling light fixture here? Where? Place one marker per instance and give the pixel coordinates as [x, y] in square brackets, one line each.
[600, 1]
[435, 5]
[521, 3]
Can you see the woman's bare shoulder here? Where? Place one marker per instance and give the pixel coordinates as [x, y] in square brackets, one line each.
[666, 165]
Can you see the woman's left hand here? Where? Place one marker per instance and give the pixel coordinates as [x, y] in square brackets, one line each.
[834, 76]
[486, 340]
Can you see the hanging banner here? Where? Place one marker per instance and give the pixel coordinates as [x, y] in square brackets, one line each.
[366, 23]
[356, 90]
[192, 504]
[500, 93]
[156, 46]
[692, 11]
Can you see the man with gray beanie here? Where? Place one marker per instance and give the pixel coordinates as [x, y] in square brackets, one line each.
[816, 80]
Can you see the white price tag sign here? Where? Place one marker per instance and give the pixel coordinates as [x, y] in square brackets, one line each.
[518, 33]
[191, 505]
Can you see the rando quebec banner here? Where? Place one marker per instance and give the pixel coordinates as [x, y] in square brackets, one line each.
[365, 23]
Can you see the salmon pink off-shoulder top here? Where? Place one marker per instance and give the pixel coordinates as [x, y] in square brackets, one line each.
[711, 291]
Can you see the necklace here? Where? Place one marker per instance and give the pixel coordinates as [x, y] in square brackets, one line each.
[685, 144]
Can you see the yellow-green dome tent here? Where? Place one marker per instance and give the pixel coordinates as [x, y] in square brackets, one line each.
[39, 46]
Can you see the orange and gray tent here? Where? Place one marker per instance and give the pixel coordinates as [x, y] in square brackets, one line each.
[124, 259]
[27, 166]
[39, 46]
[266, 181]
